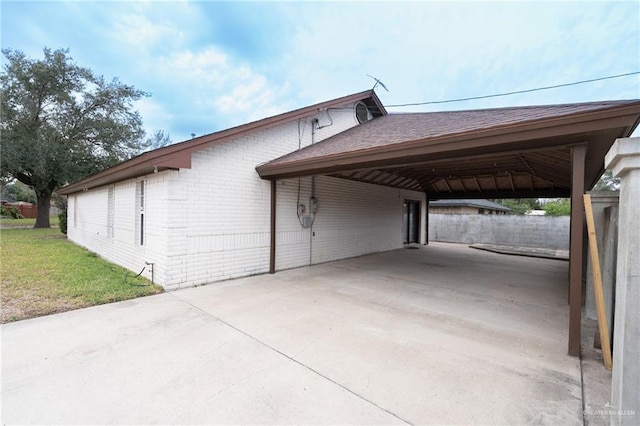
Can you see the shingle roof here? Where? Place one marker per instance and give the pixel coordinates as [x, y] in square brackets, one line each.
[397, 128]
[484, 204]
[490, 153]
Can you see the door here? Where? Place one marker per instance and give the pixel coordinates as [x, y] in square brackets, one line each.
[411, 222]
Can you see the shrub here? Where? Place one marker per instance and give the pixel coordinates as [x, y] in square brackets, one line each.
[519, 205]
[61, 203]
[62, 216]
[11, 211]
[560, 207]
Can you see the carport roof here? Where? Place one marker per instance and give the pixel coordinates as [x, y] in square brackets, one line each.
[487, 153]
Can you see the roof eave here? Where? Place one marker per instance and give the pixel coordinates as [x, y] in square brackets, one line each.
[178, 155]
[626, 116]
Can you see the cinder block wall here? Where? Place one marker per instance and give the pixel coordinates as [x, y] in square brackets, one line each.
[551, 232]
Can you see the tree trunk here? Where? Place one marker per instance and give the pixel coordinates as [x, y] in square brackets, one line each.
[44, 202]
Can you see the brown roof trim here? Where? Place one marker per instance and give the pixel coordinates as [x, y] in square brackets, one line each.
[485, 140]
[178, 155]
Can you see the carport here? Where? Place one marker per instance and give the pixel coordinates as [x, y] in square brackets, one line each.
[520, 152]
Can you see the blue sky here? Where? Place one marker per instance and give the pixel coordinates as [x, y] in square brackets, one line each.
[212, 65]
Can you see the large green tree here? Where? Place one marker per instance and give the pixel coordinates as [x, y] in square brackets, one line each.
[558, 207]
[607, 182]
[61, 122]
[158, 139]
[18, 191]
[519, 205]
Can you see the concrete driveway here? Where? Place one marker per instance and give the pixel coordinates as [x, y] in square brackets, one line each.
[443, 334]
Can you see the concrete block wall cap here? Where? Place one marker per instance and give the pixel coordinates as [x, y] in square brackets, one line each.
[604, 197]
[623, 156]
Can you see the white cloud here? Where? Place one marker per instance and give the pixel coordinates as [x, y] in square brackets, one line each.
[137, 31]
[248, 91]
[198, 86]
[212, 79]
[442, 50]
[421, 51]
[155, 114]
[250, 99]
[206, 69]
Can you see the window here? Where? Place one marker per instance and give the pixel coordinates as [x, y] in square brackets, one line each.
[140, 201]
[110, 211]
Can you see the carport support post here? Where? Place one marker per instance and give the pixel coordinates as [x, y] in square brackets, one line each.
[272, 243]
[426, 221]
[578, 155]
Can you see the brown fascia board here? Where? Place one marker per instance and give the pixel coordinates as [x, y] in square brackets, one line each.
[519, 193]
[374, 101]
[626, 116]
[178, 155]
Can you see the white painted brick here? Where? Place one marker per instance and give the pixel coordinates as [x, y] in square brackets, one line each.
[212, 221]
[353, 218]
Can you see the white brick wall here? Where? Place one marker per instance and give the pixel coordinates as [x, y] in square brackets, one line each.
[212, 222]
[89, 228]
[353, 218]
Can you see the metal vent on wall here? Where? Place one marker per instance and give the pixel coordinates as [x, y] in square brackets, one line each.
[362, 113]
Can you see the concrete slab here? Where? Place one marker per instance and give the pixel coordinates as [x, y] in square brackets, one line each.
[596, 380]
[159, 360]
[444, 334]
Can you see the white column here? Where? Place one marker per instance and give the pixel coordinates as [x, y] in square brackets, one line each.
[624, 160]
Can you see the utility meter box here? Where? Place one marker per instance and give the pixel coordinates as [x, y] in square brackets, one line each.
[306, 221]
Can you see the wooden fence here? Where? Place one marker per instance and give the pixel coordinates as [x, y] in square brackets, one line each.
[27, 211]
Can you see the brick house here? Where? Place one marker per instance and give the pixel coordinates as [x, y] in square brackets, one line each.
[333, 180]
[199, 211]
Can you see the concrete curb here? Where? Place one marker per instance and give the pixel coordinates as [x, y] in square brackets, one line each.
[524, 251]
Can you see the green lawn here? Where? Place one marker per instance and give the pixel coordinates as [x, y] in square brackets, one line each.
[42, 273]
[25, 223]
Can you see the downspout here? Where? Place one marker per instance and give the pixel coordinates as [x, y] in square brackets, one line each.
[313, 203]
[272, 251]
[426, 220]
[314, 123]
